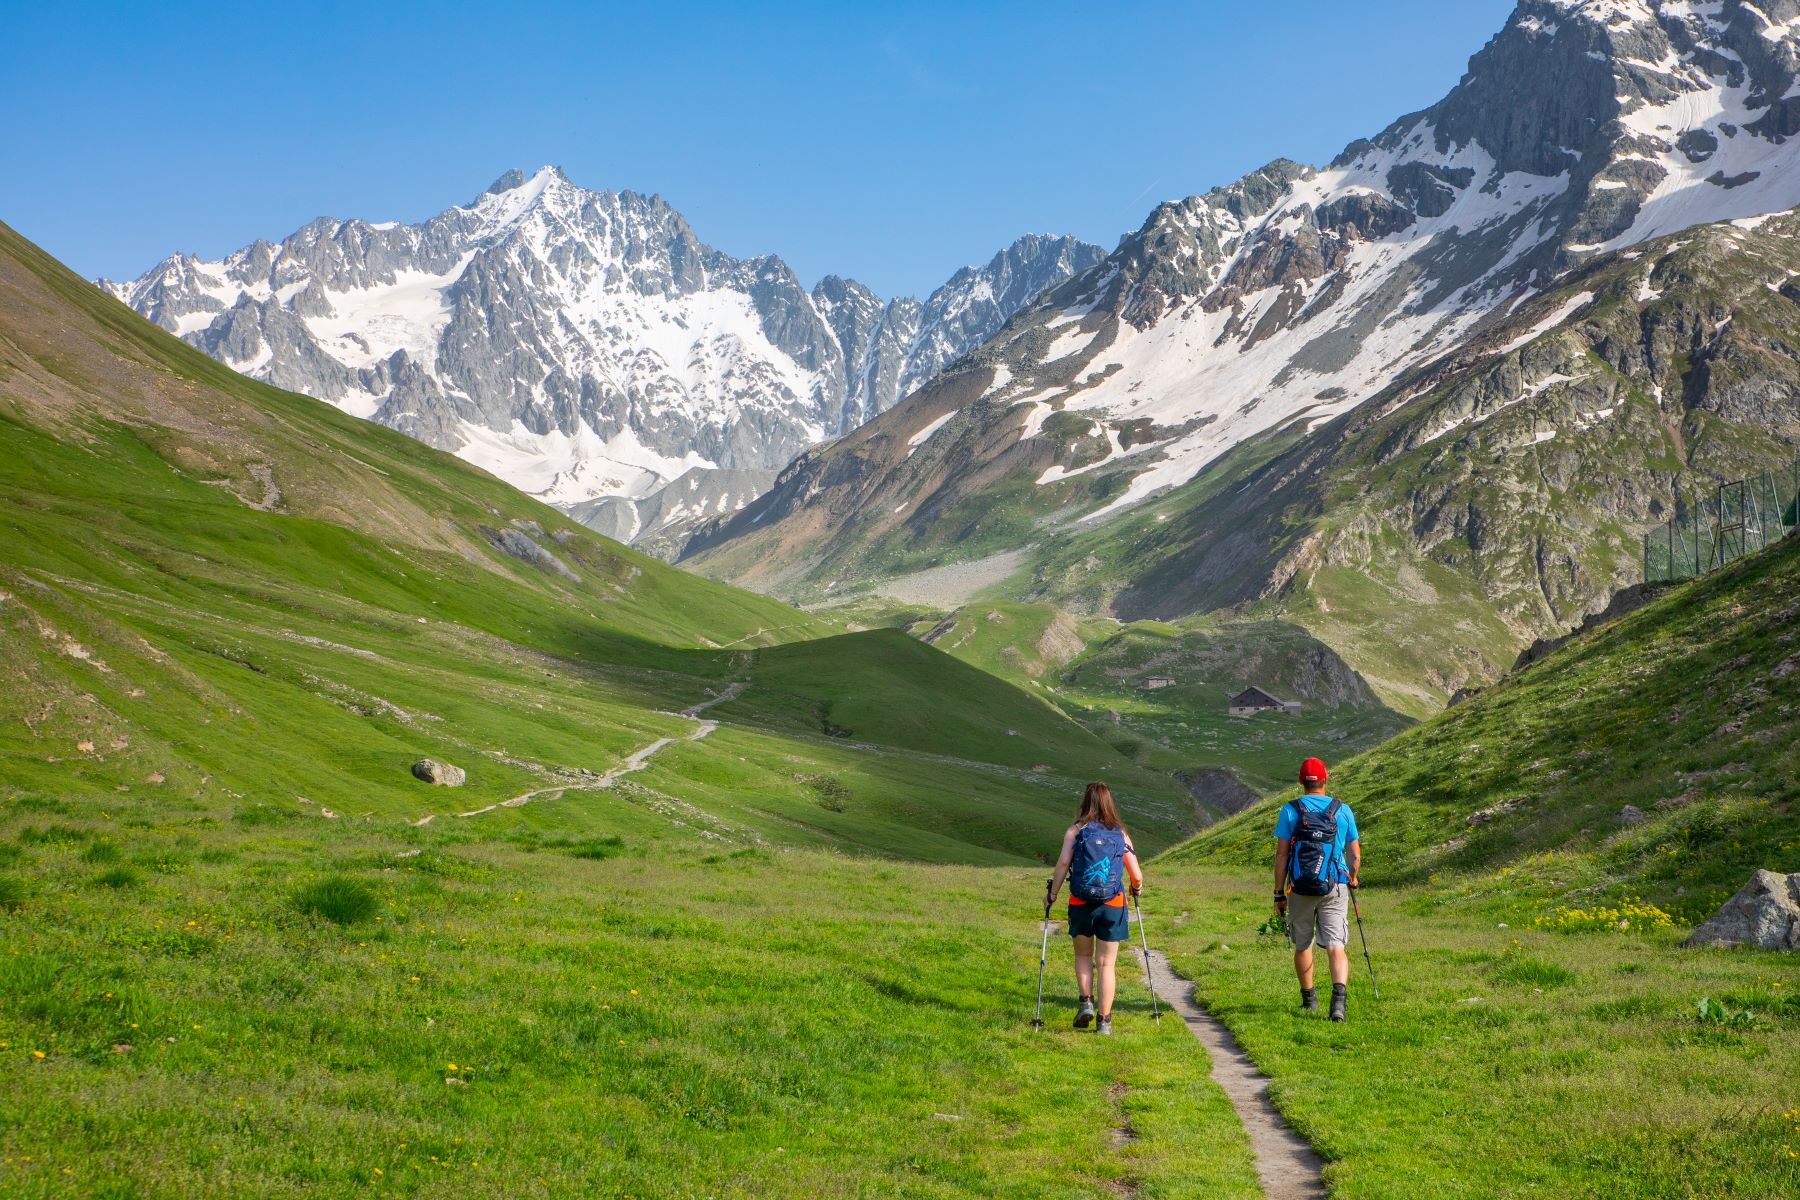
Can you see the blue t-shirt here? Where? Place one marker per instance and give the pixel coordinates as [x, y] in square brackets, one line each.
[1346, 827]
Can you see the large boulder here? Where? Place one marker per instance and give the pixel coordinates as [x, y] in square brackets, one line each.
[1765, 913]
[432, 771]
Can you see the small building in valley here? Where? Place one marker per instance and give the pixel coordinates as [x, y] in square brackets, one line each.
[1253, 700]
[1152, 682]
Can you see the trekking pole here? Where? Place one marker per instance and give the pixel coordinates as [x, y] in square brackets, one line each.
[1354, 907]
[1037, 1022]
[1155, 1012]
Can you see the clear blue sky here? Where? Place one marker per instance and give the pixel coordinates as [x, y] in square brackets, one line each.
[892, 142]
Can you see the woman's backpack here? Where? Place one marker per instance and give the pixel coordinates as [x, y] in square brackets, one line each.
[1097, 869]
[1311, 864]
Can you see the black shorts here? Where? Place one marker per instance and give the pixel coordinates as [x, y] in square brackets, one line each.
[1108, 922]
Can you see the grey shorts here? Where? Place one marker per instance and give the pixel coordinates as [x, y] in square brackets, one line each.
[1325, 919]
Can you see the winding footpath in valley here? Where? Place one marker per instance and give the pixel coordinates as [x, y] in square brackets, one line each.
[635, 761]
[1287, 1167]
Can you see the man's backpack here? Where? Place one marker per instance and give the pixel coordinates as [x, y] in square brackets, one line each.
[1097, 870]
[1312, 864]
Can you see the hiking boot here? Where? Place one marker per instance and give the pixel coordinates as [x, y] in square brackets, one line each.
[1105, 1026]
[1084, 1013]
[1309, 999]
[1339, 1001]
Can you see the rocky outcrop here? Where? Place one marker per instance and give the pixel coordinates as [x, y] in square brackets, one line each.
[661, 523]
[520, 544]
[1218, 791]
[429, 770]
[1625, 600]
[1764, 914]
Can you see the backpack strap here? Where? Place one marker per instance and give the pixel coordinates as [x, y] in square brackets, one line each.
[1294, 842]
[1331, 811]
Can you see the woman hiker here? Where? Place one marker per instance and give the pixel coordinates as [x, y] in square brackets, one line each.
[1097, 855]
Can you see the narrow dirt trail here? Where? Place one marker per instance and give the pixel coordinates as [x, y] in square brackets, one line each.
[1287, 1167]
[635, 761]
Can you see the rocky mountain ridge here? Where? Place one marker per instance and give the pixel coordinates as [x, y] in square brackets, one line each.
[1421, 401]
[1297, 294]
[1499, 494]
[580, 344]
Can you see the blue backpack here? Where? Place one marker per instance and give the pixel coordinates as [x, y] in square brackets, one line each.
[1311, 862]
[1097, 870]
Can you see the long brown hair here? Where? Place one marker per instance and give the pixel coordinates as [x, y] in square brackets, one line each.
[1097, 805]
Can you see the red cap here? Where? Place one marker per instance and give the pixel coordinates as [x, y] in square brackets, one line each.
[1313, 771]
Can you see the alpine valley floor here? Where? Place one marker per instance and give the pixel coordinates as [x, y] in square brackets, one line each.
[791, 953]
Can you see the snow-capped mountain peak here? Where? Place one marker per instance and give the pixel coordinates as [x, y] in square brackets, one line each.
[1584, 126]
[581, 344]
[1298, 293]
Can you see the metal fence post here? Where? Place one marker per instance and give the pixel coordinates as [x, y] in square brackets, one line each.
[1753, 509]
[1718, 547]
[1694, 520]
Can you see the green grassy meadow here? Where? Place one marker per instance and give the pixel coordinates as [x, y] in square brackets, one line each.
[241, 946]
[1506, 1059]
[647, 1012]
[1540, 1032]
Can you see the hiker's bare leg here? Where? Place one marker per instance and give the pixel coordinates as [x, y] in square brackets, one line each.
[1303, 966]
[1084, 965]
[1340, 964]
[1109, 961]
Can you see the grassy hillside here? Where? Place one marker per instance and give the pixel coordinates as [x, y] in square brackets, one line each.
[1687, 710]
[210, 588]
[1185, 727]
[1091, 669]
[1024, 642]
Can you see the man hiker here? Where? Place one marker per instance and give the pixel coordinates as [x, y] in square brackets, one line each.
[1097, 857]
[1317, 855]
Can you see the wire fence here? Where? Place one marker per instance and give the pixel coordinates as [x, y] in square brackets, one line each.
[1739, 518]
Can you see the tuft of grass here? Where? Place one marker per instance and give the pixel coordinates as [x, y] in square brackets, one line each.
[1534, 972]
[12, 892]
[1708, 1011]
[100, 853]
[831, 794]
[338, 898]
[117, 877]
[596, 847]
